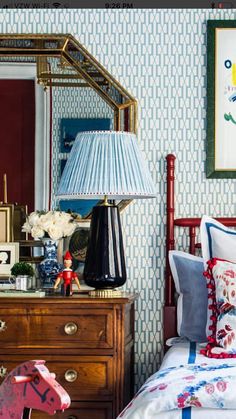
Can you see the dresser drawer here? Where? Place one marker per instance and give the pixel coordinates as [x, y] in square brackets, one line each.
[80, 410]
[51, 329]
[83, 377]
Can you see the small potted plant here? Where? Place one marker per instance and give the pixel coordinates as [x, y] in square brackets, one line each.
[23, 273]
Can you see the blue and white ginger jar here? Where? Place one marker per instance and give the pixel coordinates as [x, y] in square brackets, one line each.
[49, 267]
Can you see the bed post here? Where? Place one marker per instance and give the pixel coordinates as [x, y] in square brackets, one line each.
[169, 308]
[170, 241]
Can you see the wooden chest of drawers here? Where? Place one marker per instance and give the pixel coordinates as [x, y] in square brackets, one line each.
[86, 341]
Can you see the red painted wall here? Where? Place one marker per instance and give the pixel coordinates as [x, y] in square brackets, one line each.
[17, 140]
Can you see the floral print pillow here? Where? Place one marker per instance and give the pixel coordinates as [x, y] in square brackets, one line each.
[221, 284]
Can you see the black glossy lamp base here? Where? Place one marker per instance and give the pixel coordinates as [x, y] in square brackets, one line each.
[105, 262]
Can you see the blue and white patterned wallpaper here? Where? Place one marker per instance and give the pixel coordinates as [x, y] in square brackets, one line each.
[159, 56]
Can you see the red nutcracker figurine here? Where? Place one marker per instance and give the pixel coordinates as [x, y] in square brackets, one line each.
[68, 276]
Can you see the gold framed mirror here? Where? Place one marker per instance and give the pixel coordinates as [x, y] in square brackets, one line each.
[63, 63]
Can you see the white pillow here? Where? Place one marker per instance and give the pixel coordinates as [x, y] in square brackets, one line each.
[217, 240]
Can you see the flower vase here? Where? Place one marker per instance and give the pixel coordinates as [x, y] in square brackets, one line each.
[49, 267]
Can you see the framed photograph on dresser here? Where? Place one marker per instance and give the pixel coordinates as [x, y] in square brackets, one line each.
[9, 254]
[19, 218]
[78, 247]
[6, 222]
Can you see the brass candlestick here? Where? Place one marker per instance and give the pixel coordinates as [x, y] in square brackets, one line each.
[5, 188]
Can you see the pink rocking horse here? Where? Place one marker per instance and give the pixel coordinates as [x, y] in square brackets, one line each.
[31, 386]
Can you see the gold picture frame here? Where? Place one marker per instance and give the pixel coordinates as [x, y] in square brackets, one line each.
[6, 222]
[9, 254]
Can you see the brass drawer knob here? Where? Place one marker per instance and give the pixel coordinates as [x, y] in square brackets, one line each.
[70, 328]
[3, 326]
[71, 376]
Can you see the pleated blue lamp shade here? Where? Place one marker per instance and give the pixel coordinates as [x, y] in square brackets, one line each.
[106, 163]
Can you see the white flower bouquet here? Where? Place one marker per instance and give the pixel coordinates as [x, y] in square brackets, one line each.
[53, 224]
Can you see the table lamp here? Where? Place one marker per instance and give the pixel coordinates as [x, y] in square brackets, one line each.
[105, 165]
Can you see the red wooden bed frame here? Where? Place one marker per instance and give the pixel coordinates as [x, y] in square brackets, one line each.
[170, 318]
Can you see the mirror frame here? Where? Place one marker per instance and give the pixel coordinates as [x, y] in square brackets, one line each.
[82, 70]
[76, 68]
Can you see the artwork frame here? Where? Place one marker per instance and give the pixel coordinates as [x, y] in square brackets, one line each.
[6, 222]
[9, 254]
[221, 99]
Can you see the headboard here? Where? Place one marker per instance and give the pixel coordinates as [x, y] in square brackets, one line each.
[170, 318]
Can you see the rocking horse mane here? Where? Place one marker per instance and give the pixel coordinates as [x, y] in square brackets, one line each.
[31, 386]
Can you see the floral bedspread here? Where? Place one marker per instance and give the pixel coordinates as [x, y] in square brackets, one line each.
[198, 385]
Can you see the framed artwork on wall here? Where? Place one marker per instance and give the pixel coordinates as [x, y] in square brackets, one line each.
[82, 207]
[9, 254]
[69, 129]
[221, 99]
[71, 126]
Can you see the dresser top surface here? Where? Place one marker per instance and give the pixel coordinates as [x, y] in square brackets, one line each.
[76, 298]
